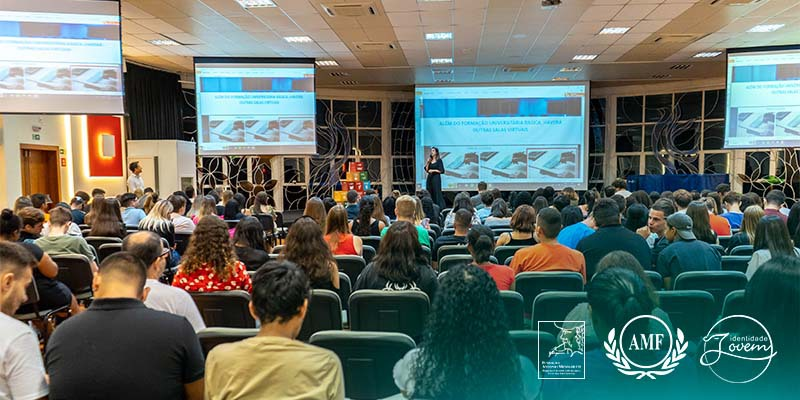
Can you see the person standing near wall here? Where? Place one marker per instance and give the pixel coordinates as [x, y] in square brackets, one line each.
[135, 181]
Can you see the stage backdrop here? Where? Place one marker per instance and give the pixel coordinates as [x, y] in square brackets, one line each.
[672, 182]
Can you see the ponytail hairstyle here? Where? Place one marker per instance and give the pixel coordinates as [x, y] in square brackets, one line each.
[365, 211]
[617, 295]
[10, 224]
[480, 242]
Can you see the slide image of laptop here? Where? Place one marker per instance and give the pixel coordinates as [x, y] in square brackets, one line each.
[463, 165]
[12, 78]
[789, 121]
[227, 130]
[757, 124]
[297, 130]
[553, 162]
[505, 164]
[37, 78]
[95, 79]
[263, 130]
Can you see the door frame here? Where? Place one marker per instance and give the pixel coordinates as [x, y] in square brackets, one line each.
[41, 147]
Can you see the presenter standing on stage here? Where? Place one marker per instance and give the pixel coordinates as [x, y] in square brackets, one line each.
[435, 168]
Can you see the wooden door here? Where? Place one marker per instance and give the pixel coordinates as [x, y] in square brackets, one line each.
[40, 171]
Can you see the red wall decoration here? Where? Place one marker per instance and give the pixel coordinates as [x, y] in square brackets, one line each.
[104, 135]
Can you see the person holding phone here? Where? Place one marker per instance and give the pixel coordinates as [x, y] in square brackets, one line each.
[435, 168]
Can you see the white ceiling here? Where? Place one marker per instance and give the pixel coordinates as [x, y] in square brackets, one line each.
[488, 35]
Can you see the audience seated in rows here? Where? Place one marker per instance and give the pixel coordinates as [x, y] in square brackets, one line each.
[399, 263]
[337, 233]
[206, 207]
[306, 248]
[462, 224]
[773, 202]
[131, 215]
[120, 348]
[249, 243]
[107, 219]
[574, 226]
[523, 224]
[686, 252]
[365, 224]
[635, 216]
[429, 209]
[158, 221]
[405, 210]
[701, 225]
[352, 206]
[498, 214]
[477, 199]
[58, 242]
[548, 255]
[461, 201]
[181, 224]
[720, 225]
[76, 206]
[480, 244]
[483, 209]
[315, 209]
[32, 224]
[771, 240]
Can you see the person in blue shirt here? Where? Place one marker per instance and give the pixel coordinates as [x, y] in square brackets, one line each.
[352, 205]
[686, 252]
[130, 214]
[486, 201]
[733, 212]
[575, 226]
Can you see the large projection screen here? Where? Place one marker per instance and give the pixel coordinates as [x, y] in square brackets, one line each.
[763, 98]
[60, 57]
[255, 106]
[512, 136]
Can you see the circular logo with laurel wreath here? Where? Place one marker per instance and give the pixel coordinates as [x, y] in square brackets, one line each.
[645, 347]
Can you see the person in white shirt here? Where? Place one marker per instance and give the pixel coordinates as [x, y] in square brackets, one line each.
[22, 374]
[147, 246]
[182, 224]
[135, 181]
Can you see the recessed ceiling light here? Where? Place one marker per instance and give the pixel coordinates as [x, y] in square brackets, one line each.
[612, 30]
[297, 39]
[707, 54]
[441, 60]
[256, 3]
[327, 63]
[164, 42]
[584, 57]
[572, 69]
[439, 36]
[765, 28]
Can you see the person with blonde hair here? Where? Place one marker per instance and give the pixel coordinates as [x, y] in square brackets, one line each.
[159, 222]
[406, 210]
[315, 209]
[747, 235]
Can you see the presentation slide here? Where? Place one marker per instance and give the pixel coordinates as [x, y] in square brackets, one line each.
[763, 102]
[516, 137]
[255, 106]
[60, 57]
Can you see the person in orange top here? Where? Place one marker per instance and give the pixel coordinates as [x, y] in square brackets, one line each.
[548, 255]
[720, 225]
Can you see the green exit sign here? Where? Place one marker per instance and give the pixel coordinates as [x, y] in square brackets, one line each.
[36, 136]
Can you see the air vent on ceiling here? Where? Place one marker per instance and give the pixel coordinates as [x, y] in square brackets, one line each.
[375, 46]
[661, 76]
[442, 71]
[680, 66]
[517, 68]
[348, 83]
[677, 38]
[734, 2]
[443, 80]
[350, 9]
[339, 74]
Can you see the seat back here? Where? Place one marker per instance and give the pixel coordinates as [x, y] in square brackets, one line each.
[432, 235]
[374, 241]
[368, 252]
[85, 232]
[426, 252]
[324, 313]
[351, 265]
[444, 213]
[655, 279]
[97, 241]
[382, 311]
[718, 283]
[735, 263]
[724, 240]
[436, 229]
[447, 262]
[742, 250]
[512, 302]
[720, 250]
[367, 360]
[499, 231]
[448, 232]
[267, 223]
[277, 249]
[553, 306]
[231, 223]
[734, 304]
[531, 284]
[345, 289]
[690, 310]
[450, 249]
[75, 271]
[106, 250]
[211, 337]
[182, 242]
[503, 252]
[225, 309]
[535, 345]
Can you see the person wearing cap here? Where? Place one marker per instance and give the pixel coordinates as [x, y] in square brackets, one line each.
[131, 215]
[686, 253]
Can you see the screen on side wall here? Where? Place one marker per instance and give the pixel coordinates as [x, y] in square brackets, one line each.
[255, 106]
[514, 137]
[763, 98]
[60, 57]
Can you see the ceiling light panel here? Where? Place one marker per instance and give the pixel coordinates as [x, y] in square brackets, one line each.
[256, 3]
[584, 57]
[707, 54]
[441, 60]
[327, 63]
[765, 28]
[439, 36]
[614, 30]
[164, 42]
[297, 39]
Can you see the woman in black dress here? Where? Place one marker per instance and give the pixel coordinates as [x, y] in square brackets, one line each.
[435, 167]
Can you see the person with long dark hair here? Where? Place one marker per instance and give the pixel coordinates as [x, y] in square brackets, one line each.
[429, 209]
[461, 201]
[523, 223]
[636, 216]
[315, 209]
[233, 211]
[364, 224]
[772, 240]
[306, 247]
[433, 183]
[338, 236]
[249, 243]
[701, 224]
[399, 264]
[467, 355]
[499, 214]
[107, 220]
[388, 207]
[480, 244]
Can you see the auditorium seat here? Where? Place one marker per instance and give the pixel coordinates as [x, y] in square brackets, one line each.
[211, 337]
[513, 303]
[224, 309]
[719, 248]
[690, 310]
[503, 252]
[351, 265]
[106, 250]
[718, 283]
[277, 249]
[368, 252]
[426, 253]
[735, 263]
[448, 232]
[724, 240]
[75, 271]
[97, 241]
[324, 313]
[374, 241]
[734, 304]
[553, 306]
[655, 279]
[449, 249]
[378, 310]
[436, 228]
[508, 260]
[182, 242]
[497, 231]
[535, 345]
[450, 261]
[367, 360]
[36, 314]
[742, 250]
[345, 289]
[531, 284]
